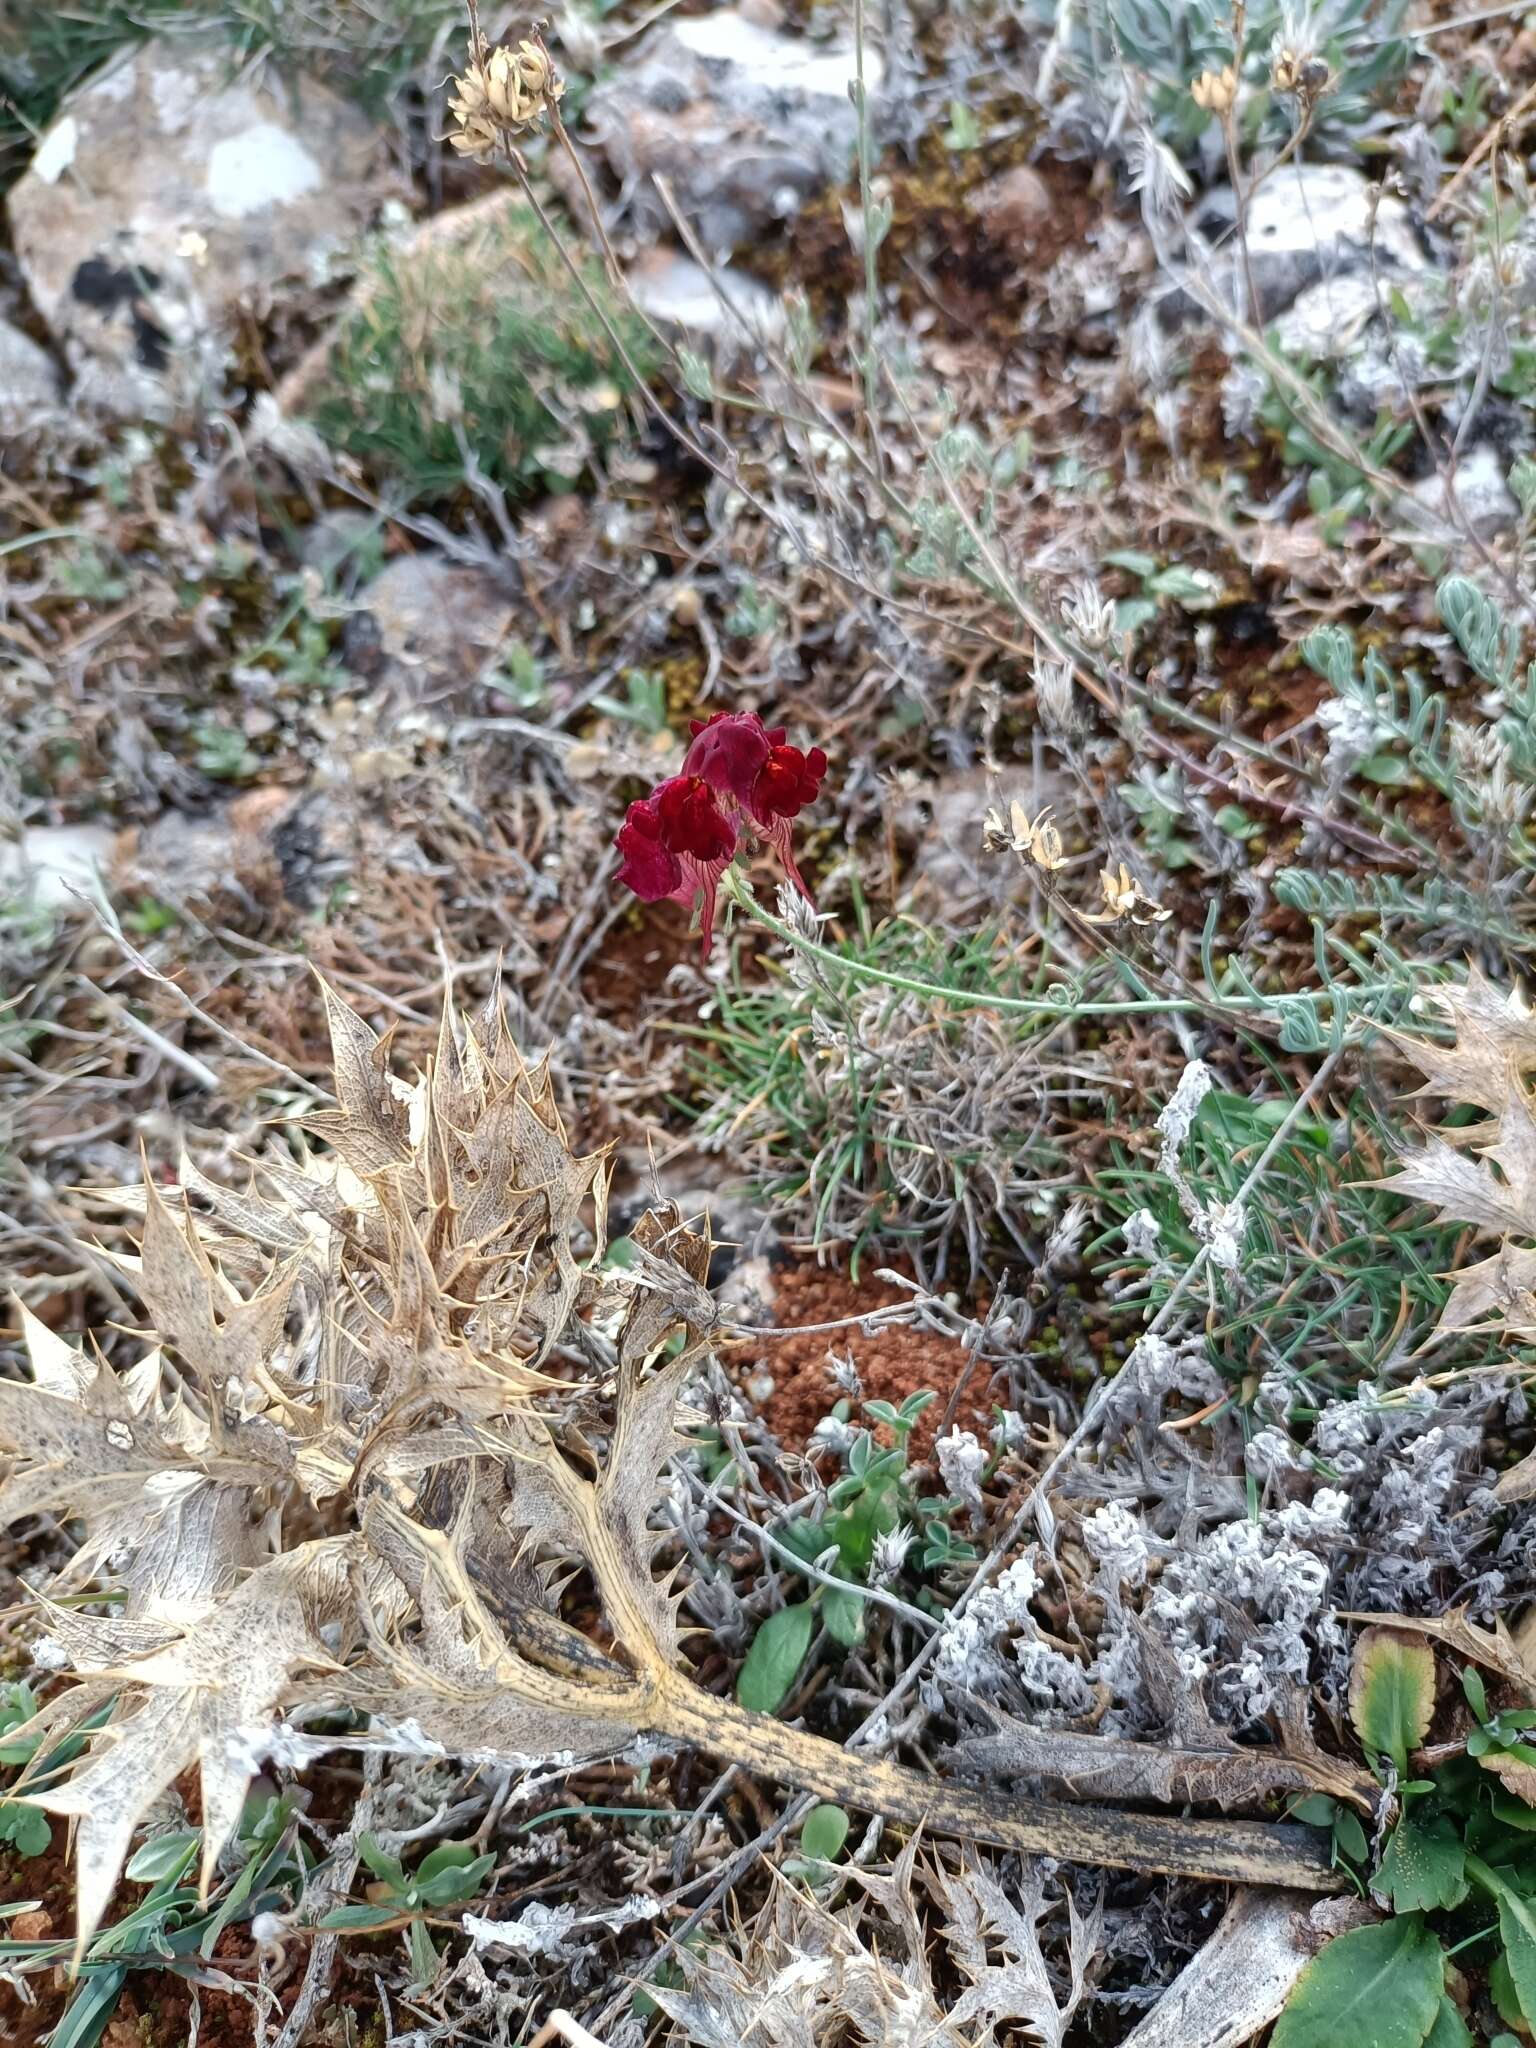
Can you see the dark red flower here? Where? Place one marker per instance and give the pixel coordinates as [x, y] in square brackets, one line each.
[742, 758]
[787, 781]
[678, 841]
[692, 822]
[650, 867]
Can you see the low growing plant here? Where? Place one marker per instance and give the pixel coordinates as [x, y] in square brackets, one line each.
[479, 355]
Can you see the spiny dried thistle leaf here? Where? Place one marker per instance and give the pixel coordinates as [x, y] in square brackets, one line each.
[412, 1338]
[1488, 1065]
[343, 1334]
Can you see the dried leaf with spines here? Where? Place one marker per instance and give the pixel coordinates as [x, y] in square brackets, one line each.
[413, 1330]
[1490, 1064]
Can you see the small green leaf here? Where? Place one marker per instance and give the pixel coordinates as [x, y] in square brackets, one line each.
[455, 1883]
[1450, 2029]
[843, 1614]
[1315, 1808]
[378, 1859]
[165, 1856]
[425, 1960]
[1392, 1693]
[342, 1919]
[1517, 1930]
[1330, 651]
[1375, 1987]
[1477, 1693]
[773, 1662]
[1425, 1866]
[823, 1833]
[1349, 1835]
[446, 1856]
[1387, 771]
[1501, 1989]
[25, 1827]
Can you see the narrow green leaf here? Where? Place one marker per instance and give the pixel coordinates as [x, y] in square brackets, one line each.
[165, 1856]
[343, 1918]
[86, 2016]
[774, 1660]
[1375, 1987]
[378, 1859]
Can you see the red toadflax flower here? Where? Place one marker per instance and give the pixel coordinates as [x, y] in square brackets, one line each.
[678, 841]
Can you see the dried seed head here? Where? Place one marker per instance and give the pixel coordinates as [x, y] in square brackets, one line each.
[501, 92]
[1125, 897]
[1089, 615]
[1215, 91]
[1033, 839]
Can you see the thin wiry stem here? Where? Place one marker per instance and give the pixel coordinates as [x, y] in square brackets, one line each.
[1019, 1006]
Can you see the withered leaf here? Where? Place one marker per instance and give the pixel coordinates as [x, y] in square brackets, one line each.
[204, 1698]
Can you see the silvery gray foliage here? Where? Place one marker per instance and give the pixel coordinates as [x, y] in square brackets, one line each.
[994, 1650]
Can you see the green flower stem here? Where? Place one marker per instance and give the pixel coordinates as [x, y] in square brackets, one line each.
[1022, 1006]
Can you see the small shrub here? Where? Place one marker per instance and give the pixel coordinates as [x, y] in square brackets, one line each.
[481, 352]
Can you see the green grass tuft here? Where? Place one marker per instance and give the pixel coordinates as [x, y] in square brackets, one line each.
[483, 348]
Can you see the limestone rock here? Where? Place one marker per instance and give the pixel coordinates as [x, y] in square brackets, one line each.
[432, 626]
[1305, 223]
[677, 292]
[1486, 502]
[743, 121]
[168, 192]
[29, 383]
[51, 865]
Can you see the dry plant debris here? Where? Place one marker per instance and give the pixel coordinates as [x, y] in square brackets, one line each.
[368, 1336]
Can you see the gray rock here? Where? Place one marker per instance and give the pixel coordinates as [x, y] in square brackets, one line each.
[744, 123]
[677, 292]
[1486, 502]
[1327, 320]
[1305, 223]
[434, 625]
[29, 383]
[1014, 208]
[166, 194]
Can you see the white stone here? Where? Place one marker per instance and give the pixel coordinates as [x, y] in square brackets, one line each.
[677, 292]
[744, 122]
[265, 166]
[51, 864]
[1307, 222]
[775, 62]
[56, 151]
[439, 624]
[169, 193]
[29, 383]
[1329, 317]
[1486, 502]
